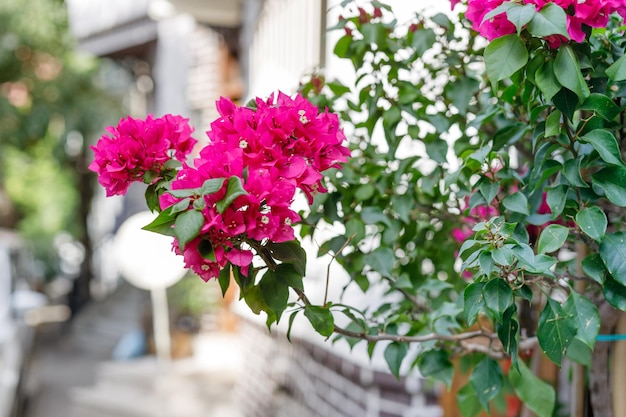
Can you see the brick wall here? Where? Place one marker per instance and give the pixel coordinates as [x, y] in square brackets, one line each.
[302, 379]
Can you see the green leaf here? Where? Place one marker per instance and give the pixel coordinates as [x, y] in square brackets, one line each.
[211, 186]
[556, 198]
[508, 332]
[275, 293]
[553, 124]
[489, 189]
[593, 266]
[381, 260]
[615, 293]
[579, 352]
[474, 302]
[566, 101]
[504, 56]
[601, 105]
[535, 393]
[612, 180]
[290, 252]
[567, 70]
[287, 275]
[342, 47]
[552, 238]
[182, 205]
[605, 144]
[423, 40]
[586, 316]
[551, 20]
[546, 80]
[555, 331]
[394, 354]
[152, 198]
[254, 299]
[617, 70]
[517, 203]
[321, 319]
[571, 171]
[224, 279]
[234, 189]
[520, 15]
[498, 296]
[467, 401]
[613, 254]
[187, 226]
[593, 222]
[436, 364]
[486, 380]
[162, 224]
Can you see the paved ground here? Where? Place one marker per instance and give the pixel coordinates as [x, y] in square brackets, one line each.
[73, 375]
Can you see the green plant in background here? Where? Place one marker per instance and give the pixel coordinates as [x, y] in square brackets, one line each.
[507, 153]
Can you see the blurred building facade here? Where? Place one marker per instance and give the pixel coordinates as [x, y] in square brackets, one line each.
[180, 56]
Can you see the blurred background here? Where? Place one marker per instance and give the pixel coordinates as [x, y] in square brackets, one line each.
[76, 339]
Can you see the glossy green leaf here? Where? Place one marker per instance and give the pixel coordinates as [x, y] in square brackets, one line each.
[436, 364]
[612, 180]
[520, 15]
[571, 171]
[508, 332]
[567, 71]
[517, 203]
[474, 302]
[287, 274]
[504, 56]
[162, 224]
[290, 252]
[394, 355]
[536, 394]
[613, 254]
[211, 186]
[605, 144]
[486, 380]
[593, 222]
[547, 81]
[224, 279]
[552, 238]
[551, 20]
[467, 401]
[601, 105]
[382, 260]
[615, 293]
[617, 70]
[234, 189]
[586, 316]
[498, 296]
[321, 319]
[556, 198]
[593, 266]
[342, 47]
[275, 293]
[187, 226]
[555, 331]
[553, 124]
[423, 40]
[567, 102]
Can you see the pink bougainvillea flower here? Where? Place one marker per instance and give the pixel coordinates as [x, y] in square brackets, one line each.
[283, 145]
[134, 147]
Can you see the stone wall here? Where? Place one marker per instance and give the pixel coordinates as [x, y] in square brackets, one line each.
[302, 379]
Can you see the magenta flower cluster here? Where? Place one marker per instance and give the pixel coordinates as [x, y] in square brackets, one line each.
[135, 147]
[592, 13]
[283, 145]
